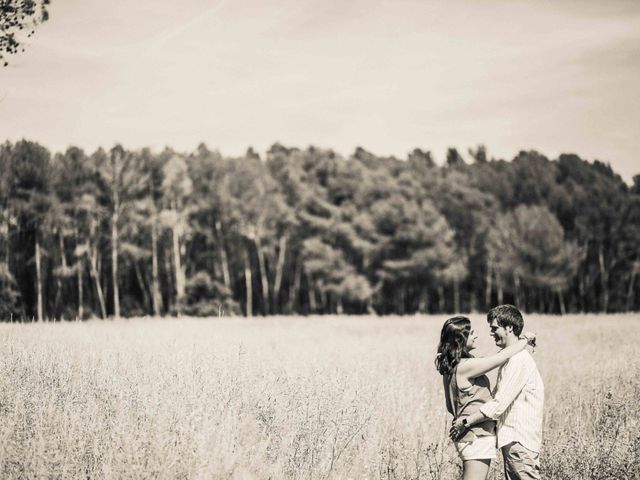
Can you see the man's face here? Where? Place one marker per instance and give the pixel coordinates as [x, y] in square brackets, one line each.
[499, 333]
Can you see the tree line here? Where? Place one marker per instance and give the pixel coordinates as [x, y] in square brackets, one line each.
[306, 231]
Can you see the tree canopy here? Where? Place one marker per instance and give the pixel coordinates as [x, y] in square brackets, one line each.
[308, 231]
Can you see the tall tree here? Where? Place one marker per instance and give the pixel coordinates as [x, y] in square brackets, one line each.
[73, 178]
[286, 167]
[10, 297]
[597, 213]
[254, 203]
[529, 246]
[30, 200]
[124, 183]
[177, 187]
[148, 210]
[211, 217]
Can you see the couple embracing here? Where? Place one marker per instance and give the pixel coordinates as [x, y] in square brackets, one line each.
[508, 417]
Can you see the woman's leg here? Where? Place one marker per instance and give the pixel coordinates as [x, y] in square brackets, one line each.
[475, 469]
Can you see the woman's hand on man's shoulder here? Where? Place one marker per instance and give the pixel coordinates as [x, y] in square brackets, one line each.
[530, 337]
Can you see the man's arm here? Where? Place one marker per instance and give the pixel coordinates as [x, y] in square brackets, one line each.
[514, 378]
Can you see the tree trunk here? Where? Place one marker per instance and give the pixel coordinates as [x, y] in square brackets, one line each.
[488, 286]
[456, 296]
[541, 300]
[63, 263]
[63, 257]
[226, 276]
[93, 261]
[604, 280]
[295, 287]
[105, 282]
[264, 280]
[282, 242]
[114, 257]
[583, 268]
[297, 281]
[248, 283]
[581, 293]
[369, 306]
[187, 266]
[79, 268]
[423, 303]
[339, 306]
[563, 310]
[146, 298]
[398, 300]
[170, 276]
[311, 291]
[115, 196]
[39, 307]
[156, 296]
[630, 291]
[96, 279]
[440, 298]
[7, 231]
[500, 289]
[473, 300]
[177, 265]
[516, 286]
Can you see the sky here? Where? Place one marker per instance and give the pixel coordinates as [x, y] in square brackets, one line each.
[554, 76]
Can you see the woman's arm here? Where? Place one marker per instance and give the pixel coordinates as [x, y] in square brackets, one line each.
[474, 367]
[459, 426]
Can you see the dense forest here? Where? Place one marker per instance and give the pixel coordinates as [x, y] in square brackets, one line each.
[131, 233]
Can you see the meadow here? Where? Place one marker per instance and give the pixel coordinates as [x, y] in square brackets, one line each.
[293, 398]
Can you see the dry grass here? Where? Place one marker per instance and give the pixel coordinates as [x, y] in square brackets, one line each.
[292, 398]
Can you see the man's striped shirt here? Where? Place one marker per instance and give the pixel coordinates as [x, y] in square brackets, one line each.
[518, 401]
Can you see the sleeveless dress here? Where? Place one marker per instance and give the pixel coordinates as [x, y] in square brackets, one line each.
[479, 441]
[469, 401]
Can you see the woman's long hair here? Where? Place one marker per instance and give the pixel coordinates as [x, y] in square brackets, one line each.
[453, 344]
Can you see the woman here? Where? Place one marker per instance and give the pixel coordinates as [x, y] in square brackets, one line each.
[467, 388]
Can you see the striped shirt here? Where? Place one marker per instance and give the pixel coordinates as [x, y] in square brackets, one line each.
[518, 402]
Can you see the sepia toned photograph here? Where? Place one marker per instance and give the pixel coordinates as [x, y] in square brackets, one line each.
[319, 240]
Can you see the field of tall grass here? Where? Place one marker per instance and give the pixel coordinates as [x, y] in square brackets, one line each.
[293, 398]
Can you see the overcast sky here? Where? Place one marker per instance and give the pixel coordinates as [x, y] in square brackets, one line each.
[555, 76]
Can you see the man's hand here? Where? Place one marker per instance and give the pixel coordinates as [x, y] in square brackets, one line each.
[457, 430]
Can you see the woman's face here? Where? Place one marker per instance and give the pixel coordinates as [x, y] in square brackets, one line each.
[471, 340]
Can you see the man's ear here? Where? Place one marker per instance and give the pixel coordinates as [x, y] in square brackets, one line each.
[509, 328]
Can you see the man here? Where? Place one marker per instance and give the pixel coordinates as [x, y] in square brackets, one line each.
[518, 400]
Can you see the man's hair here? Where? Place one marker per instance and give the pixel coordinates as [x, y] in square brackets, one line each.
[507, 315]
